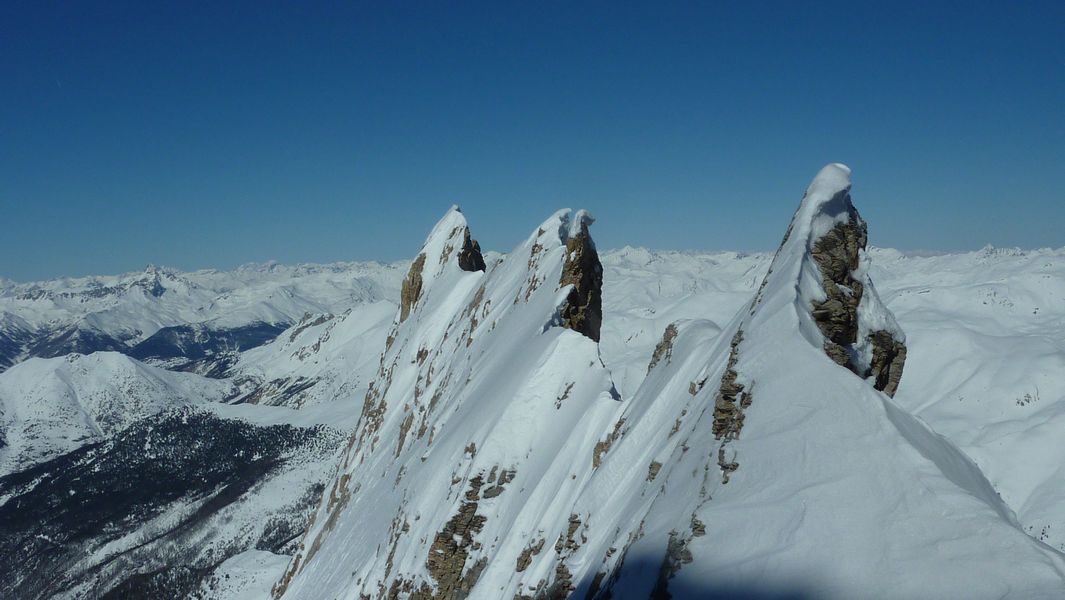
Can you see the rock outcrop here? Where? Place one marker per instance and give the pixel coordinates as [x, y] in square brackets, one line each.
[583, 312]
[867, 351]
[470, 258]
[412, 288]
[664, 349]
[836, 254]
[889, 356]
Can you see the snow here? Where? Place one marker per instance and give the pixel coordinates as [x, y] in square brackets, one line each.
[245, 576]
[339, 353]
[580, 220]
[821, 207]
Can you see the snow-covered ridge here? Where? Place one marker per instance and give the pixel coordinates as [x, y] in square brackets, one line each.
[712, 442]
[459, 407]
[741, 431]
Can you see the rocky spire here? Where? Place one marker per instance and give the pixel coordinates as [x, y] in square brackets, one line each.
[838, 238]
[836, 255]
[470, 258]
[583, 311]
[412, 288]
[449, 234]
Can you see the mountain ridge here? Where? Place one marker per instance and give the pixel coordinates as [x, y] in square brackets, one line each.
[562, 421]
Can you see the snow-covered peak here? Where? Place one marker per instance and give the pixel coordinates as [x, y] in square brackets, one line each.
[579, 222]
[487, 394]
[445, 232]
[821, 270]
[832, 178]
[446, 254]
[826, 202]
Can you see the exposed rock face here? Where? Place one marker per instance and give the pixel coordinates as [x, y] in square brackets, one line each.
[412, 288]
[470, 258]
[526, 556]
[677, 555]
[664, 348]
[837, 254]
[583, 312]
[729, 404]
[731, 398]
[447, 555]
[889, 356]
[603, 446]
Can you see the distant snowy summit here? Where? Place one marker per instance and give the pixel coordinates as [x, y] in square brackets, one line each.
[190, 321]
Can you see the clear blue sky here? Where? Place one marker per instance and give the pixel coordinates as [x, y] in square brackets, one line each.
[194, 135]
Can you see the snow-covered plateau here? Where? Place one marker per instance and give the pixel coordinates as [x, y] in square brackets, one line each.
[827, 421]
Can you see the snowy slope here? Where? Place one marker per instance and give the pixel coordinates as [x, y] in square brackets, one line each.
[644, 291]
[987, 367]
[321, 358]
[984, 331]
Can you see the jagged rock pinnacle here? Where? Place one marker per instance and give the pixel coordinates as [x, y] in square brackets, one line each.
[837, 253]
[470, 258]
[412, 288]
[583, 311]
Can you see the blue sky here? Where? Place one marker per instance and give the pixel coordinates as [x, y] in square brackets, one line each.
[196, 135]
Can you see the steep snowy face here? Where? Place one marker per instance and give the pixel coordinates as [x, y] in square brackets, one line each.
[475, 436]
[986, 365]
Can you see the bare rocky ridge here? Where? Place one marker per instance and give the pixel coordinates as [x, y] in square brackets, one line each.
[729, 404]
[447, 555]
